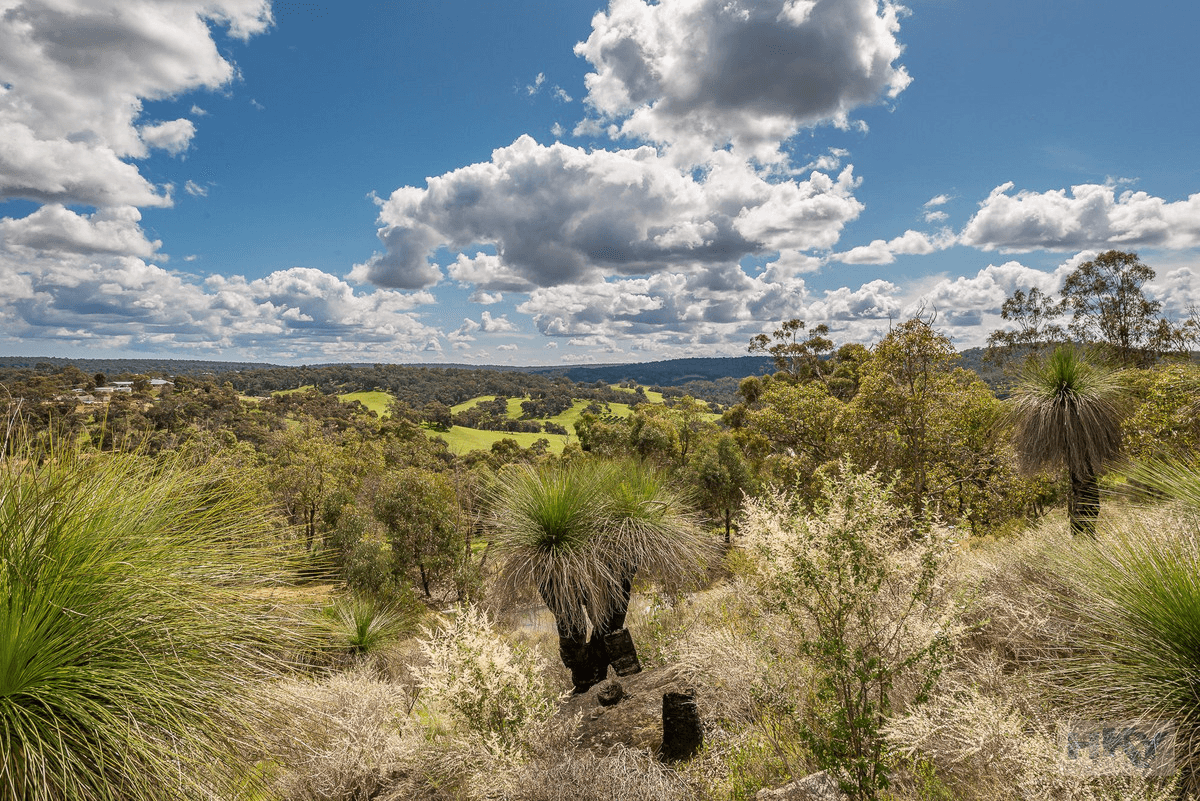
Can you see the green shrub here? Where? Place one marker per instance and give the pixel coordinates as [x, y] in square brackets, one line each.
[128, 631]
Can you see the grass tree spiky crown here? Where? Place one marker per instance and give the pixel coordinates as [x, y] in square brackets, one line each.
[576, 531]
[1067, 412]
[128, 637]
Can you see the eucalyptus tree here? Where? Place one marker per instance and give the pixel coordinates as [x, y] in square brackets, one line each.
[1067, 413]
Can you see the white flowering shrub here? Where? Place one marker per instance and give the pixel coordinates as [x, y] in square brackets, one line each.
[862, 591]
[484, 686]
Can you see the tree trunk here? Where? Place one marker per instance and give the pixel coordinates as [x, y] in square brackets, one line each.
[1083, 507]
[727, 525]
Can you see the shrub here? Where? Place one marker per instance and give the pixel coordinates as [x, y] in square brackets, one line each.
[860, 588]
[127, 632]
[487, 688]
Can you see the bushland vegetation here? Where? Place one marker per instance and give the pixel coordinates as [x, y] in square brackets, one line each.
[869, 564]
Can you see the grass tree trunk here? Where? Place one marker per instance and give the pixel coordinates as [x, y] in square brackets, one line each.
[1083, 507]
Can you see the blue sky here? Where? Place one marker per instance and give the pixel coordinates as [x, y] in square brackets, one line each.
[561, 182]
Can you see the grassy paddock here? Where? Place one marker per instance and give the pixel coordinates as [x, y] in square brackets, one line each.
[377, 401]
[464, 440]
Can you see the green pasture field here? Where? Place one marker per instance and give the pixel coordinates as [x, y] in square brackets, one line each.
[375, 401]
[464, 440]
[293, 391]
[653, 397]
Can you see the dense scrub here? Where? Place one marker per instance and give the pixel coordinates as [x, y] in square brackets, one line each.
[900, 602]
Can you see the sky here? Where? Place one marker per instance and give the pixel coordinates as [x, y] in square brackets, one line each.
[546, 182]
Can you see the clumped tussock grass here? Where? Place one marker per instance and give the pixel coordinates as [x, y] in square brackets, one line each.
[1137, 649]
[622, 774]
[361, 625]
[346, 737]
[129, 631]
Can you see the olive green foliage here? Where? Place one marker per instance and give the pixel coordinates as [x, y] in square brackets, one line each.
[795, 358]
[1067, 414]
[906, 409]
[1110, 312]
[1110, 308]
[722, 477]
[129, 633]
[420, 515]
[1165, 420]
[1034, 314]
[575, 530]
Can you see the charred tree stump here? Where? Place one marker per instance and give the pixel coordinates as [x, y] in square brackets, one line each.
[683, 733]
[621, 653]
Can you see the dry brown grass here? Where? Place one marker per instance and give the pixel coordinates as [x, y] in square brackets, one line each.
[347, 737]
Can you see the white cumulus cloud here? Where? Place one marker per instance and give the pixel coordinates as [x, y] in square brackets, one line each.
[74, 76]
[884, 251]
[1087, 216]
[173, 136]
[558, 214]
[701, 74]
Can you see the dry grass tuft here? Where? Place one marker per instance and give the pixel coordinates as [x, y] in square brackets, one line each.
[347, 737]
[581, 775]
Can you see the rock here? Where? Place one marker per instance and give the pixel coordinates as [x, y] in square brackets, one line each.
[683, 733]
[817, 787]
[635, 722]
[610, 692]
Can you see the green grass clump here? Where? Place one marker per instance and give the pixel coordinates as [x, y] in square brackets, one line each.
[362, 625]
[129, 632]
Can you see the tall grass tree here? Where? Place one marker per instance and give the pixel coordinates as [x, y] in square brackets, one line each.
[1067, 414]
[578, 533]
[130, 635]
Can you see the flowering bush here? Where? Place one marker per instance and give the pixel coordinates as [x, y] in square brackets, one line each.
[485, 686]
[860, 588]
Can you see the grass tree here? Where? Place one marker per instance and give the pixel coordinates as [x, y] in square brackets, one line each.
[1067, 413]
[578, 533]
[129, 640]
[1136, 596]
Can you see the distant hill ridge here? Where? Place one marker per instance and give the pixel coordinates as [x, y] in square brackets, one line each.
[665, 373]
